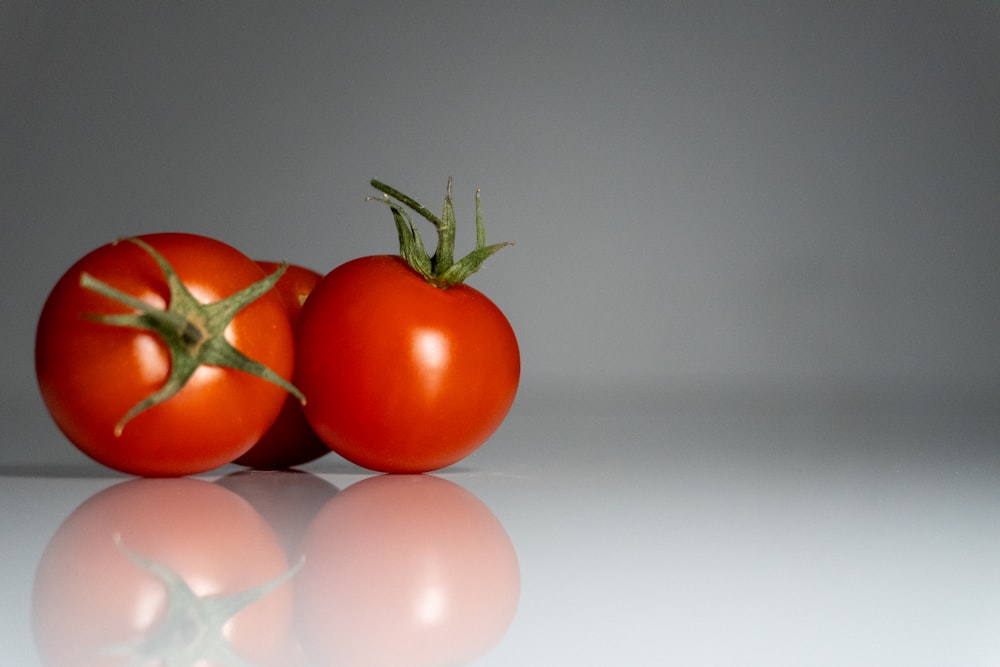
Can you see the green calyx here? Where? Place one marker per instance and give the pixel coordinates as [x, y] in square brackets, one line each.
[440, 269]
[193, 332]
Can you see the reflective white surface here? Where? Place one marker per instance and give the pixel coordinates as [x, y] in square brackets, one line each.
[613, 528]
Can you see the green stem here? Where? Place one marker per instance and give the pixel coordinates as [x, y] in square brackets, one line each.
[407, 200]
[193, 333]
[441, 269]
[444, 256]
[166, 319]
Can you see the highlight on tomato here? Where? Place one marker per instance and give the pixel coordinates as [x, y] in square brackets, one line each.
[290, 441]
[405, 570]
[165, 354]
[165, 572]
[406, 368]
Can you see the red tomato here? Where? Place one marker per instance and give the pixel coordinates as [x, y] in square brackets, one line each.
[405, 570]
[152, 571]
[400, 375]
[290, 441]
[92, 373]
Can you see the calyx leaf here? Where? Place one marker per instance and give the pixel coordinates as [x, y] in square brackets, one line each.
[440, 269]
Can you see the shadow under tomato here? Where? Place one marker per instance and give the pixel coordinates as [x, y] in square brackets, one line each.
[405, 570]
[87, 470]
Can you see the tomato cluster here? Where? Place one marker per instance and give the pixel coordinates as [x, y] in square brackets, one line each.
[172, 354]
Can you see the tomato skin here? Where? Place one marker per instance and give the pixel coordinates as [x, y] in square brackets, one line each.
[401, 376]
[290, 441]
[405, 570]
[293, 287]
[88, 597]
[91, 374]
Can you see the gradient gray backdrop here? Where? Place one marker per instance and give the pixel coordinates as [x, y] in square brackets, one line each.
[756, 195]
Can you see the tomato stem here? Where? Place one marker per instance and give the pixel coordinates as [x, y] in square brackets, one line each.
[439, 269]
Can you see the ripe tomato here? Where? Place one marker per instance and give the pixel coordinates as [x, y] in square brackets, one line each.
[99, 364]
[402, 376]
[163, 571]
[405, 570]
[406, 369]
[290, 441]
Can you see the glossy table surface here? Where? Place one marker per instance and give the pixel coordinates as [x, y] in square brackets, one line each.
[595, 528]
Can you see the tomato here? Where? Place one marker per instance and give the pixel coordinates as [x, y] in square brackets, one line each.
[290, 441]
[143, 364]
[406, 368]
[405, 570]
[163, 571]
[402, 376]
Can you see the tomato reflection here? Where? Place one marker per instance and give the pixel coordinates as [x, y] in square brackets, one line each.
[405, 570]
[287, 499]
[163, 572]
[396, 570]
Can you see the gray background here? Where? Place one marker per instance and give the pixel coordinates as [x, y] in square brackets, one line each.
[798, 198]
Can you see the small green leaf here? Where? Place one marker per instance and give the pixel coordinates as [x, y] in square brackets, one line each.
[469, 264]
[444, 256]
[480, 225]
[441, 269]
